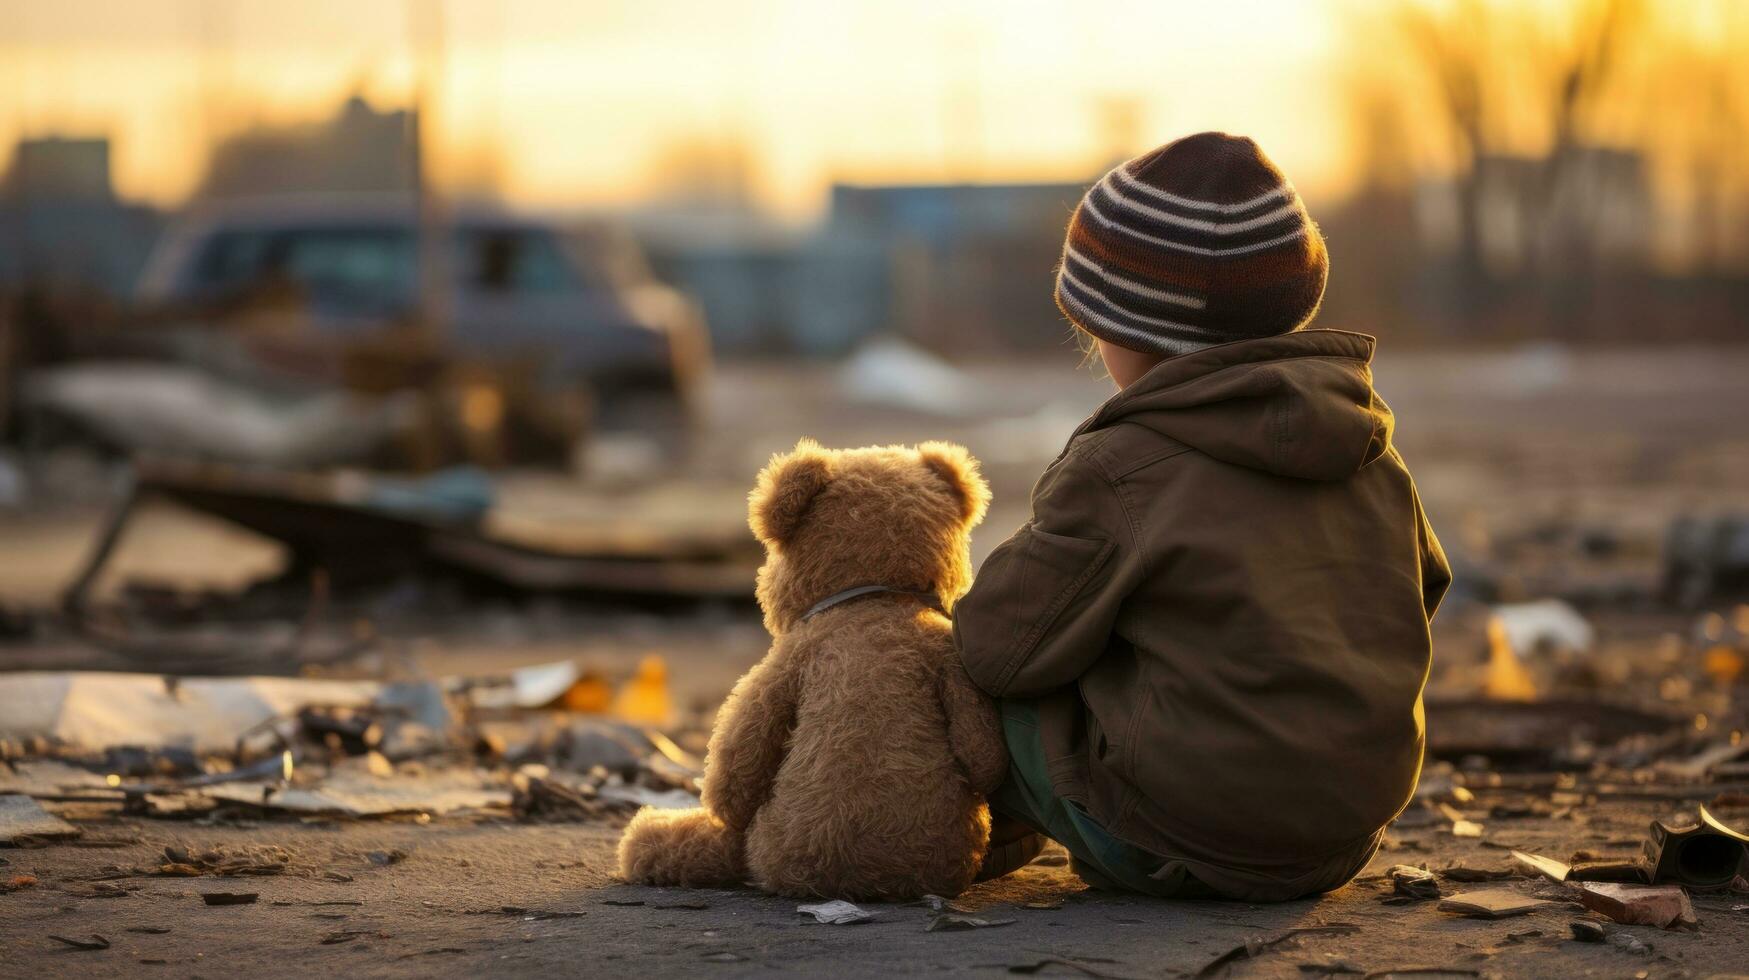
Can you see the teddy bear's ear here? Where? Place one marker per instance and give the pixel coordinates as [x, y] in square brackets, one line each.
[956, 468]
[786, 489]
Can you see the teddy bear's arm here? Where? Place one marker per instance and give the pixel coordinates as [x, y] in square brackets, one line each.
[974, 728]
[748, 742]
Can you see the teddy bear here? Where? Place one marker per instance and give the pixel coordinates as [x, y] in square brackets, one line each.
[852, 761]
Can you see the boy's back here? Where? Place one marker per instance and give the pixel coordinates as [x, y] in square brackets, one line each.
[1222, 603]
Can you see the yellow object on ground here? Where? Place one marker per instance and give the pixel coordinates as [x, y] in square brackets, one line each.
[589, 694]
[644, 699]
[1507, 679]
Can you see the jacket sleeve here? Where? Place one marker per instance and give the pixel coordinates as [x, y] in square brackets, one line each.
[1046, 600]
[1435, 570]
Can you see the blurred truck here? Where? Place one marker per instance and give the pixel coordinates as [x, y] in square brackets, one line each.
[325, 329]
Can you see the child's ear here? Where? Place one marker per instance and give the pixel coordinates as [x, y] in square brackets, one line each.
[956, 468]
[786, 489]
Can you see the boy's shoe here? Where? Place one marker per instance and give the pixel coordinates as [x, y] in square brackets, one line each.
[1013, 845]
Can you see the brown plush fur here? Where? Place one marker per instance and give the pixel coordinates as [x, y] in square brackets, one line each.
[850, 762]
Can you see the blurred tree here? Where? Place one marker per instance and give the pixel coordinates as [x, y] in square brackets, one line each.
[1541, 144]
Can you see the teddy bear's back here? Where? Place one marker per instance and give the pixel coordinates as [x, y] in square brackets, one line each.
[870, 727]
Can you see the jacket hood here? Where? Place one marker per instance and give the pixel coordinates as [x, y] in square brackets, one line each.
[1300, 405]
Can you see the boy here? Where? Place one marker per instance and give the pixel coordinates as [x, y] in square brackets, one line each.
[1210, 641]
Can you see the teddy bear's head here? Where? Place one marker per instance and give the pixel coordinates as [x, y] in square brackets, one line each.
[837, 519]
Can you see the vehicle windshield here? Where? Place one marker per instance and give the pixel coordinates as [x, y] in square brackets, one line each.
[373, 269]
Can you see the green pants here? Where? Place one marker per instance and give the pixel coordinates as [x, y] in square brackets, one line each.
[1100, 859]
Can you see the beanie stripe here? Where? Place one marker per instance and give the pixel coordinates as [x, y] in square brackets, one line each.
[1200, 242]
[1149, 340]
[1280, 190]
[1229, 227]
[1189, 243]
[1130, 286]
[1136, 331]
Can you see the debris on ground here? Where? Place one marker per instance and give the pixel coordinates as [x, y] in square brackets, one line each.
[444, 529]
[1040, 966]
[334, 749]
[1664, 906]
[1251, 948]
[1588, 930]
[836, 913]
[348, 791]
[1704, 558]
[1545, 627]
[1329, 965]
[955, 922]
[1469, 875]
[889, 371]
[1527, 744]
[183, 862]
[94, 943]
[229, 898]
[1537, 864]
[537, 915]
[1490, 903]
[1630, 943]
[1706, 854]
[1417, 883]
[22, 818]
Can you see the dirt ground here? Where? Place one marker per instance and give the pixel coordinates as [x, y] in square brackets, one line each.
[1501, 444]
[509, 899]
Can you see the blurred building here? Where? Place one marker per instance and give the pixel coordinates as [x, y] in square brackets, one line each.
[765, 287]
[62, 228]
[970, 265]
[955, 267]
[360, 148]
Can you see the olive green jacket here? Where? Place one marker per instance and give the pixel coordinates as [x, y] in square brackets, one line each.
[1222, 604]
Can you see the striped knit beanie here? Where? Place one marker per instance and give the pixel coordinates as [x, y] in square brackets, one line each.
[1200, 242]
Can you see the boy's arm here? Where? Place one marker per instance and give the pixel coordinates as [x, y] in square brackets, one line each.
[1435, 570]
[750, 738]
[1045, 601]
[974, 729]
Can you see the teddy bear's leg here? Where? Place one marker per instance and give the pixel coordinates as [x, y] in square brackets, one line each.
[689, 848]
[780, 864]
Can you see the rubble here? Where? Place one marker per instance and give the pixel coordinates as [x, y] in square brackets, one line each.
[1414, 882]
[1664, 906]
[94, 943]
[1490, 903]
[1588, 931]
[181, 409]
[954, 922]
[1252, 948]
[1704, 558]
[346, 791]
[229, 898]
[1547, 867]
[1704, 855]
[1534, 734]
[375, 531]
[22, 818]
[893, 373]
[836, 913]
[1545, 626]
[221, 862]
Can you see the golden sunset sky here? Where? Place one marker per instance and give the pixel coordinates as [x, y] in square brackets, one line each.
[580, 102]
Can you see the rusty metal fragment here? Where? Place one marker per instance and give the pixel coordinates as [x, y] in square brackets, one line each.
[1706, 855]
